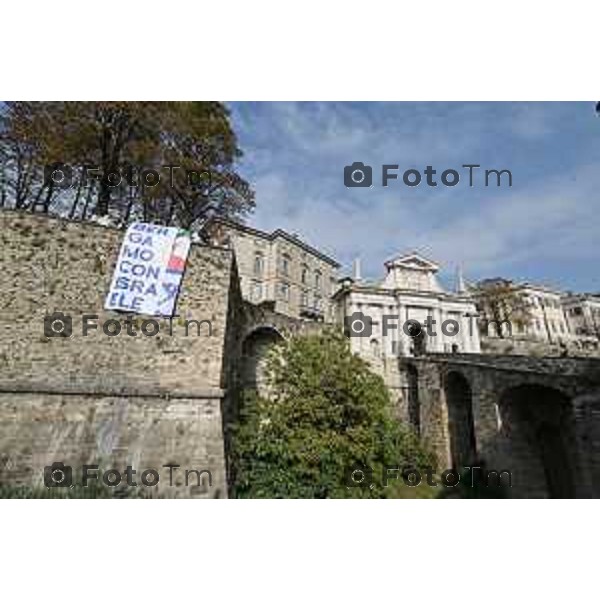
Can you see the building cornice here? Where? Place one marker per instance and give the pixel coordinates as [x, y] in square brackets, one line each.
[401, 292]
[273, 235]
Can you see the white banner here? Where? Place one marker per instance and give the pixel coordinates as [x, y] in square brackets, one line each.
[148, 272]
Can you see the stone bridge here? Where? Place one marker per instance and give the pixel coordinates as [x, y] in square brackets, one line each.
[538, 418]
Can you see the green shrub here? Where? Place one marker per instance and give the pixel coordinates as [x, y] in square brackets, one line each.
[325, 413]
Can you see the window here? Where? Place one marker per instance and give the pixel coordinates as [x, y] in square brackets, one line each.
[256, 292]
[259, 264]
[318, 280]
[374, 347]
[285, 264]
[577, 311]
[304, 300]
[304, 274]
[284, 291]
[317, 303]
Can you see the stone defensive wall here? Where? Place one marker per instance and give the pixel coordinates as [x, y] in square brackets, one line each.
[139, 400]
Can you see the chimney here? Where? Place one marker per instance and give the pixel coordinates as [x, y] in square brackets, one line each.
[356, 269]
[461, 288]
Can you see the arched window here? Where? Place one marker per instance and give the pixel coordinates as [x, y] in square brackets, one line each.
[304, 275]
[374, 344]
[259, 264]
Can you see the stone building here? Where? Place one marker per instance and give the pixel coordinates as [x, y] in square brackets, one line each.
[279, 268]
[582, 312]
[409, 291]
[548, 322]
[551, 317]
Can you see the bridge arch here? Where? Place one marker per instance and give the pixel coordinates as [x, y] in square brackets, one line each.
[538, 422]
[255, 349]
[461, 425]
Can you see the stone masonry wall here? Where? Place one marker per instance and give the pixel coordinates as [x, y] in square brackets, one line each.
[499, 389]
[138, 400]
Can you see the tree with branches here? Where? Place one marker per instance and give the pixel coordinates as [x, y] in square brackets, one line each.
[172, 163]
[501, 302]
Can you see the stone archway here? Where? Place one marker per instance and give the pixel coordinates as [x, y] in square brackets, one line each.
[461, 426]
[255, 349]
[538, 425]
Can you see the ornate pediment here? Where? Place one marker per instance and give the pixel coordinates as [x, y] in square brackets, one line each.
[412, 260]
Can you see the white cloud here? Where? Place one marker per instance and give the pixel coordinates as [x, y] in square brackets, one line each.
[298, 151]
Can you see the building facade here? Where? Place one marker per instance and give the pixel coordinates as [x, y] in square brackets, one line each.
[582, 313]
[280, 269]
[537, 313]
[547, 323]
[409, 292]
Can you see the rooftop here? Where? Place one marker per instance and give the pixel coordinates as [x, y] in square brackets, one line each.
[290, 237]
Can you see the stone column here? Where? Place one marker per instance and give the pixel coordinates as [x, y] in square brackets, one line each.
[439, 318]
[465, 334]
[433, 413]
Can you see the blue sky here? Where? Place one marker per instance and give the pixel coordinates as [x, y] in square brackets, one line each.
[545, 228]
